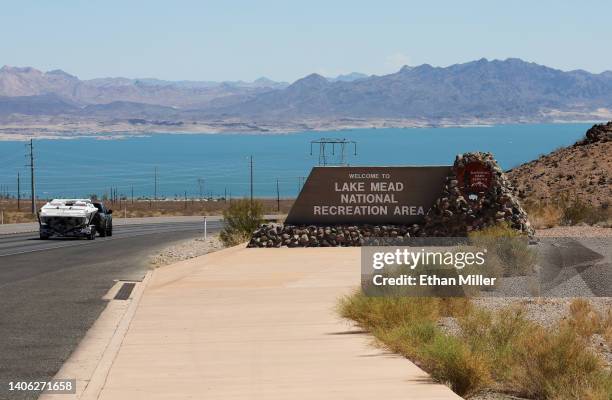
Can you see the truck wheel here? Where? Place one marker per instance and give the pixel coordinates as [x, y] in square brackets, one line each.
[92, 235]
[110, 231]
[43, 237]
[103, 232]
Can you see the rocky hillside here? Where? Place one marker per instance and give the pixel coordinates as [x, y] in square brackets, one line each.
[582, 171]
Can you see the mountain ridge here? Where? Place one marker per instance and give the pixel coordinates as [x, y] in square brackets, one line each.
[478, 91]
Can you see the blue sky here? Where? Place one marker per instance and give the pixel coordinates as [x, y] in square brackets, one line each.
[285, 40]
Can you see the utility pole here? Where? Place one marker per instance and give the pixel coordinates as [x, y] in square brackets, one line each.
[251, 181]
[18, 191]
[277, 196]
[201, 185]
[132, 194]
[31, 165]
[225, 194]
[155, 192]
[185, 199]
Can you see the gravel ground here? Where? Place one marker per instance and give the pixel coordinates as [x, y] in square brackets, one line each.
[494, 396]
[575, 231]
[185, 250]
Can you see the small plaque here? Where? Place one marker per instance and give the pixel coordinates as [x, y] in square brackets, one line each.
[474, 179]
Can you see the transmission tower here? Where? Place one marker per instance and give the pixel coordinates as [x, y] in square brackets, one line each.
[338, 149]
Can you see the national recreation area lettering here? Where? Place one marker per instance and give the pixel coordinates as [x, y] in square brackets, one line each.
[368, 194]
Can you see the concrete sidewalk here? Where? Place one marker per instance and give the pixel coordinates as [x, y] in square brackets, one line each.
[257, 324]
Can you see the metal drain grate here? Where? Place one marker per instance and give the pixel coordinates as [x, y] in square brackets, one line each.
[125, 291]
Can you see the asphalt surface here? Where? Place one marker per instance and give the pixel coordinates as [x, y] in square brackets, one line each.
[51, 291]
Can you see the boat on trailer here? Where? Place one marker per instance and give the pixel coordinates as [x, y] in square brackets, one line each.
[67, 218]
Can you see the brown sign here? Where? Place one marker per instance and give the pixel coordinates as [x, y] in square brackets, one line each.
[368, 195]
[474, 179]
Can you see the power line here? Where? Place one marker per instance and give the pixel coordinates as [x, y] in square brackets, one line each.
[155, 196]
[277, 196]
[18, 191]
[31, 165]
[251, 180]
[200, 184]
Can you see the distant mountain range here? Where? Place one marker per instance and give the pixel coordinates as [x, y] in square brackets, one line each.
[511, 89]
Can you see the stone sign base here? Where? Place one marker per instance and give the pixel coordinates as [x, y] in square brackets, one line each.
[463, 207]
[475, 195]
[277, 235]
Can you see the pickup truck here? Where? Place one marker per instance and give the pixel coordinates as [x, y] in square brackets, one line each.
[103, 220]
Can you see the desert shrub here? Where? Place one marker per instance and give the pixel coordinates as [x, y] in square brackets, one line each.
[566, 210]
[577, 211]
[454, 306]
[408, 339]
[558, 365]
[607, 334]
[544, 215]
[500, 350]
[449, 360]
[240, 219]
[408, 326]
[583, 318]
[495, 336]
[387, 312]
[508, 249]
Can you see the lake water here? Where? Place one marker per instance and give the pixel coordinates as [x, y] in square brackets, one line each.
[76, 168]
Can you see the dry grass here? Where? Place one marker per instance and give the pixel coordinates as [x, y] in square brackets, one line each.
[407, 325]
[556, 365]
[584, 319]
[501, 351]
[509, 253]
[566, 211]
[145, 208]
[543, 216]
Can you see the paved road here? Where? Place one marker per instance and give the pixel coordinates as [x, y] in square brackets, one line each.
[51, 291]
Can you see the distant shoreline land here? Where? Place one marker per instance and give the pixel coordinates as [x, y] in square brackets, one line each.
[55, 104]
[121, 131]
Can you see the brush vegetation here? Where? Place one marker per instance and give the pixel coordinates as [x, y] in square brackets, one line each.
[500, 351]
[509, 252]
[567, 211]
[240, 220]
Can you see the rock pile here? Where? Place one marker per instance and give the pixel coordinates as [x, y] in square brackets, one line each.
[277, 235]
[454, 216]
